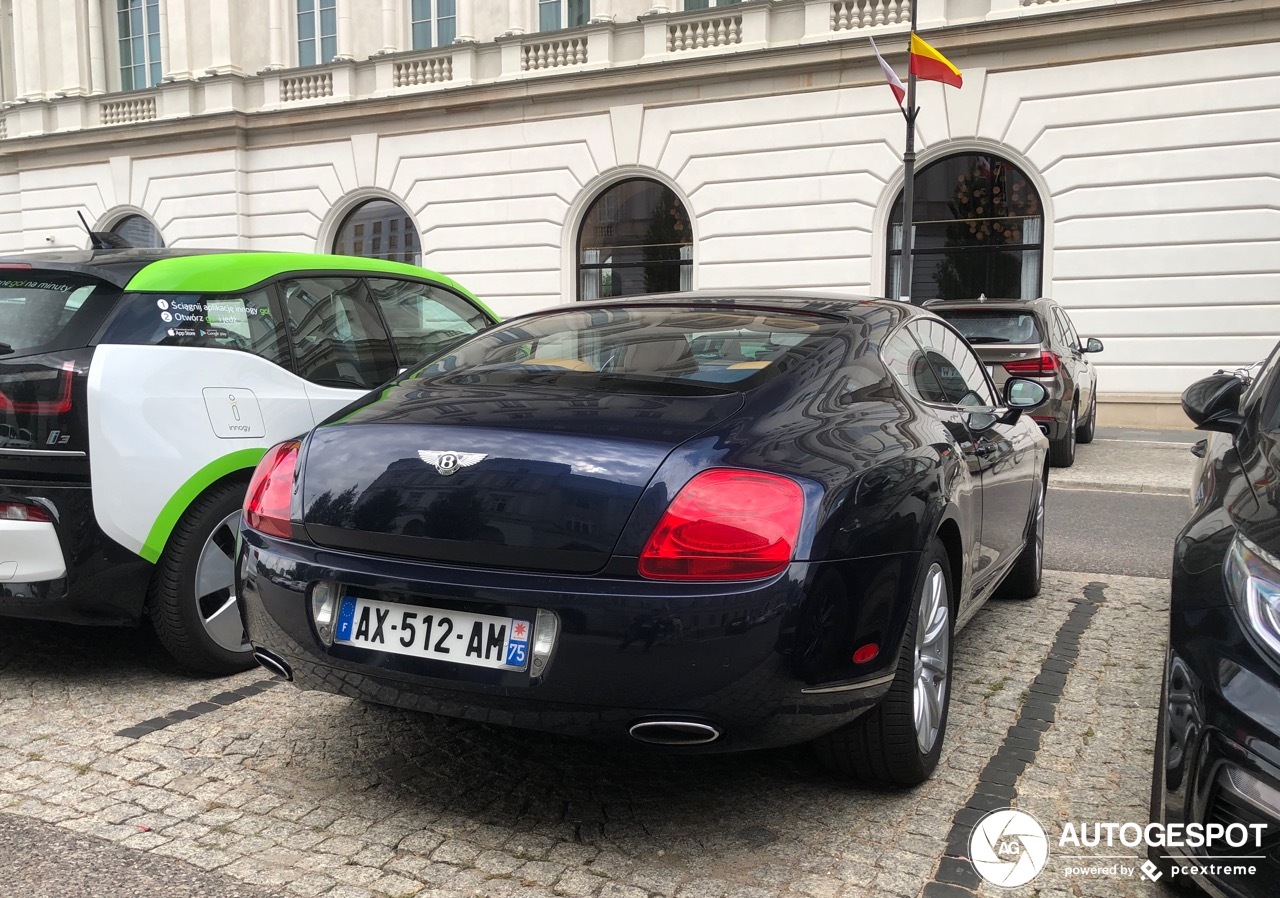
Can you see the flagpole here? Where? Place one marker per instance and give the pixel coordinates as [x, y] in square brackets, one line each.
[908, 174]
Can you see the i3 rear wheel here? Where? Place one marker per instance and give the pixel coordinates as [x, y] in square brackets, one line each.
[898, 743]
[192, 603]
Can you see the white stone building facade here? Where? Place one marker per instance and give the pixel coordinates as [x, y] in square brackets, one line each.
[1149, 131]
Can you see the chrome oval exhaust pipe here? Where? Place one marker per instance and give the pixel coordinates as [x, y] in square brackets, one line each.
[274, 664]
[674, 732]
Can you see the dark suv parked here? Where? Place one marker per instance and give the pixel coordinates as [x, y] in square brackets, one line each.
[1035, 339]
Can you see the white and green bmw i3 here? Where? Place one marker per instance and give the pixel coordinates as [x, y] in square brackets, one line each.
[138, 390]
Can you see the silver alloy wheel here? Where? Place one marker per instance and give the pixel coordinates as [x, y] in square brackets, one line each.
[215, 586]
[933, 639]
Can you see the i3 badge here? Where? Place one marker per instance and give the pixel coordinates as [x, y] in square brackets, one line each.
[449, 463]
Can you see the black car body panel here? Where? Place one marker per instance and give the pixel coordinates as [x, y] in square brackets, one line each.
[1220, 721]
[766, 661]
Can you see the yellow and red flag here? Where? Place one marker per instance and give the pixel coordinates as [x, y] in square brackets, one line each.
[928, 64]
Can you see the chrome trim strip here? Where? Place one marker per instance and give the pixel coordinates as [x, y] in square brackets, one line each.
[60, 453]
[699, 733]
[849, 687]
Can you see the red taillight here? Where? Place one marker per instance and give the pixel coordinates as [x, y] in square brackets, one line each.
[266, 505]
[726, 525]
[59, 403]
[1047, 363]
[23, 511]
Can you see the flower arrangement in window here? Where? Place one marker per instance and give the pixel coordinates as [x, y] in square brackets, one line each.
[992, 201]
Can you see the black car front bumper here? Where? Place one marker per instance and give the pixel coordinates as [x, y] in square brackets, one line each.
[1221, 750]
[731, 656]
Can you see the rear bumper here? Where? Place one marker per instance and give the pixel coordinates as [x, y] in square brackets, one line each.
[627, 651]
[67, 570]
[30, 552]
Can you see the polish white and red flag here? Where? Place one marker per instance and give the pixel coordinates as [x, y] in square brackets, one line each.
[895, 83]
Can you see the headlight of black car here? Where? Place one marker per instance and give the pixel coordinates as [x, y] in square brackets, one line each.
[1253, 577]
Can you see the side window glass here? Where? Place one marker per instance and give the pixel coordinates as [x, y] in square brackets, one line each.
[338, 339]
[424, 320]
[907, 363]
[1071, 331]
[242, 322]
[1065, 330]
[960, 374]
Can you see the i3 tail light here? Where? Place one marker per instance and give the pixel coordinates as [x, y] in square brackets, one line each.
[23, 511]
[266, 504]
[1047, 363]
[726, 524]
[50, 391]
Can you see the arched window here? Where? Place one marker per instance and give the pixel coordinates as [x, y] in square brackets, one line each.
[379, 229]
[635, 239]
[138, 231]
[979, 229]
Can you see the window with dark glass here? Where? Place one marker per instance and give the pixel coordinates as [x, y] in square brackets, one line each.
[138, 232]
[434, 23]
[317, 31]
[555, 14]
[636, 238]
[379, 229]
[979, 229]
[707, 4]
[905, 360]
[243, 322]
[338, 338]
[138, 30]
[424, 320]
[960, 374]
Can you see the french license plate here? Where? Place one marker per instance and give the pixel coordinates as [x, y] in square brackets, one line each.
[480, 640]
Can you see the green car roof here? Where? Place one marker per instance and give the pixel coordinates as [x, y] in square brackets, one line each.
[221, 272]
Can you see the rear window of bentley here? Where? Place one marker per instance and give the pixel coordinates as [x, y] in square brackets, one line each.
[611, 348]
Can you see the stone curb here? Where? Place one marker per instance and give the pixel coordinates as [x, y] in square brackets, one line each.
[1148, 488]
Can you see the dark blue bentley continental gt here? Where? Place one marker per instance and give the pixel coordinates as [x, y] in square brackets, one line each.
[696, 521]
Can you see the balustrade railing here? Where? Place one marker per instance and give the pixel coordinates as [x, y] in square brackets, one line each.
[663, 36]
[134, 109]
[847, 15]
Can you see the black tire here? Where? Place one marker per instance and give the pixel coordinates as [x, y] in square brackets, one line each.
[1062, 452]
[1024, 578]
[1177, 885]
[175, 612]
[882, 747]
[1086, 431]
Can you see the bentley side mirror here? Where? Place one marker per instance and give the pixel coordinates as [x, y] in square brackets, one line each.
[1021, 394]
[1093, 344]
[1214, 403]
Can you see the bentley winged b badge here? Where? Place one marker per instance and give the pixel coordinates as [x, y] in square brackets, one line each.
[449, 463]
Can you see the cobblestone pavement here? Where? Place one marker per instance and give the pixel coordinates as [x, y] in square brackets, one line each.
[303, 794]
